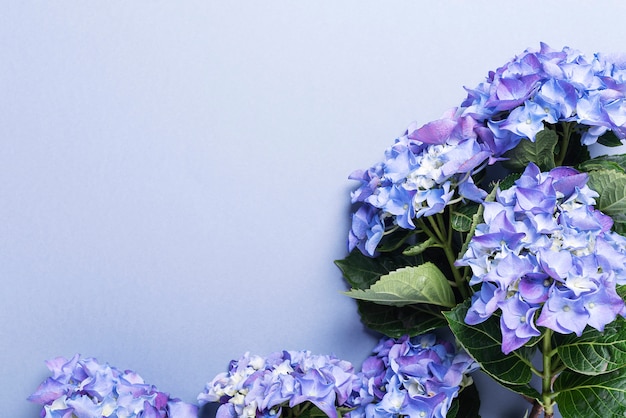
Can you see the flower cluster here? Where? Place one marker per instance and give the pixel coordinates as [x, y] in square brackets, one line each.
[414, 377]
[256, 386]
[548, 86]
[500, 205]
[433, 166]
[424, 171]
[544, 256]
[83, 388]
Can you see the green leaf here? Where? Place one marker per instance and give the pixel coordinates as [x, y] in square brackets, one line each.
[611, 186]
[509, 181]
[619, 224]
[395, 322]
[540, 152]
[409, 285]
[609, 139]
[605, 162]
[607, 175]
[619, 159]
[484, 342]
[462, 217]
[421, 247]
[602, 396]
[454, 409]
[595, 352]
[361, 271]
[312, 411]
[466, 405]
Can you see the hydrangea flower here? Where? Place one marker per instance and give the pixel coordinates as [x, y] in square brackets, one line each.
[432, 166]
[544, 256]
[414, 377]
[548, 86]
[424, 171]
[83, 388]
[544, 261]
[256, 386]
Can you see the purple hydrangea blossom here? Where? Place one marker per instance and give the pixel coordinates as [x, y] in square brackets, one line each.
[256, 386]
[83, 388]
[548, 86]
[423, 172]
[415, 377]
[545, 257]
[432, 166]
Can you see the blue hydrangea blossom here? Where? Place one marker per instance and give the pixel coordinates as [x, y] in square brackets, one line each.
[83, 388]
[414, 377]
[256, 386]
[545, 257]
[431, 166]
[548, 86]
[424, 171]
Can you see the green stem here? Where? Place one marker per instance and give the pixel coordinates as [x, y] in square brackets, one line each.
[533, 369]
[435, 232]
[458, 278]
[442, 227]
[567, 132]
[546, 386]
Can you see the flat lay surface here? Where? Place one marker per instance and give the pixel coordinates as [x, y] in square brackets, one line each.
[174, 175]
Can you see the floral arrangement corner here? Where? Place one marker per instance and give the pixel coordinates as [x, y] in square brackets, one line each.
[418, 377]
[493, 225]
[496, 222]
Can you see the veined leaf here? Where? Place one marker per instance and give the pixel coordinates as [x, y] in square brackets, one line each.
[394, 321]
[540, 152]
[609, 139]
[611, 185]
[484, 342]
[605, 162]
[361, 271]
[409, 285]
[595, 352]
[602, 396]
[462, 217]
[509, 181]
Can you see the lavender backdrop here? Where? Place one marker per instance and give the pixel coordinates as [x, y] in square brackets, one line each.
[173, 174]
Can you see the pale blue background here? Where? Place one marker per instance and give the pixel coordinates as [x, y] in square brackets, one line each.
[173, 175]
